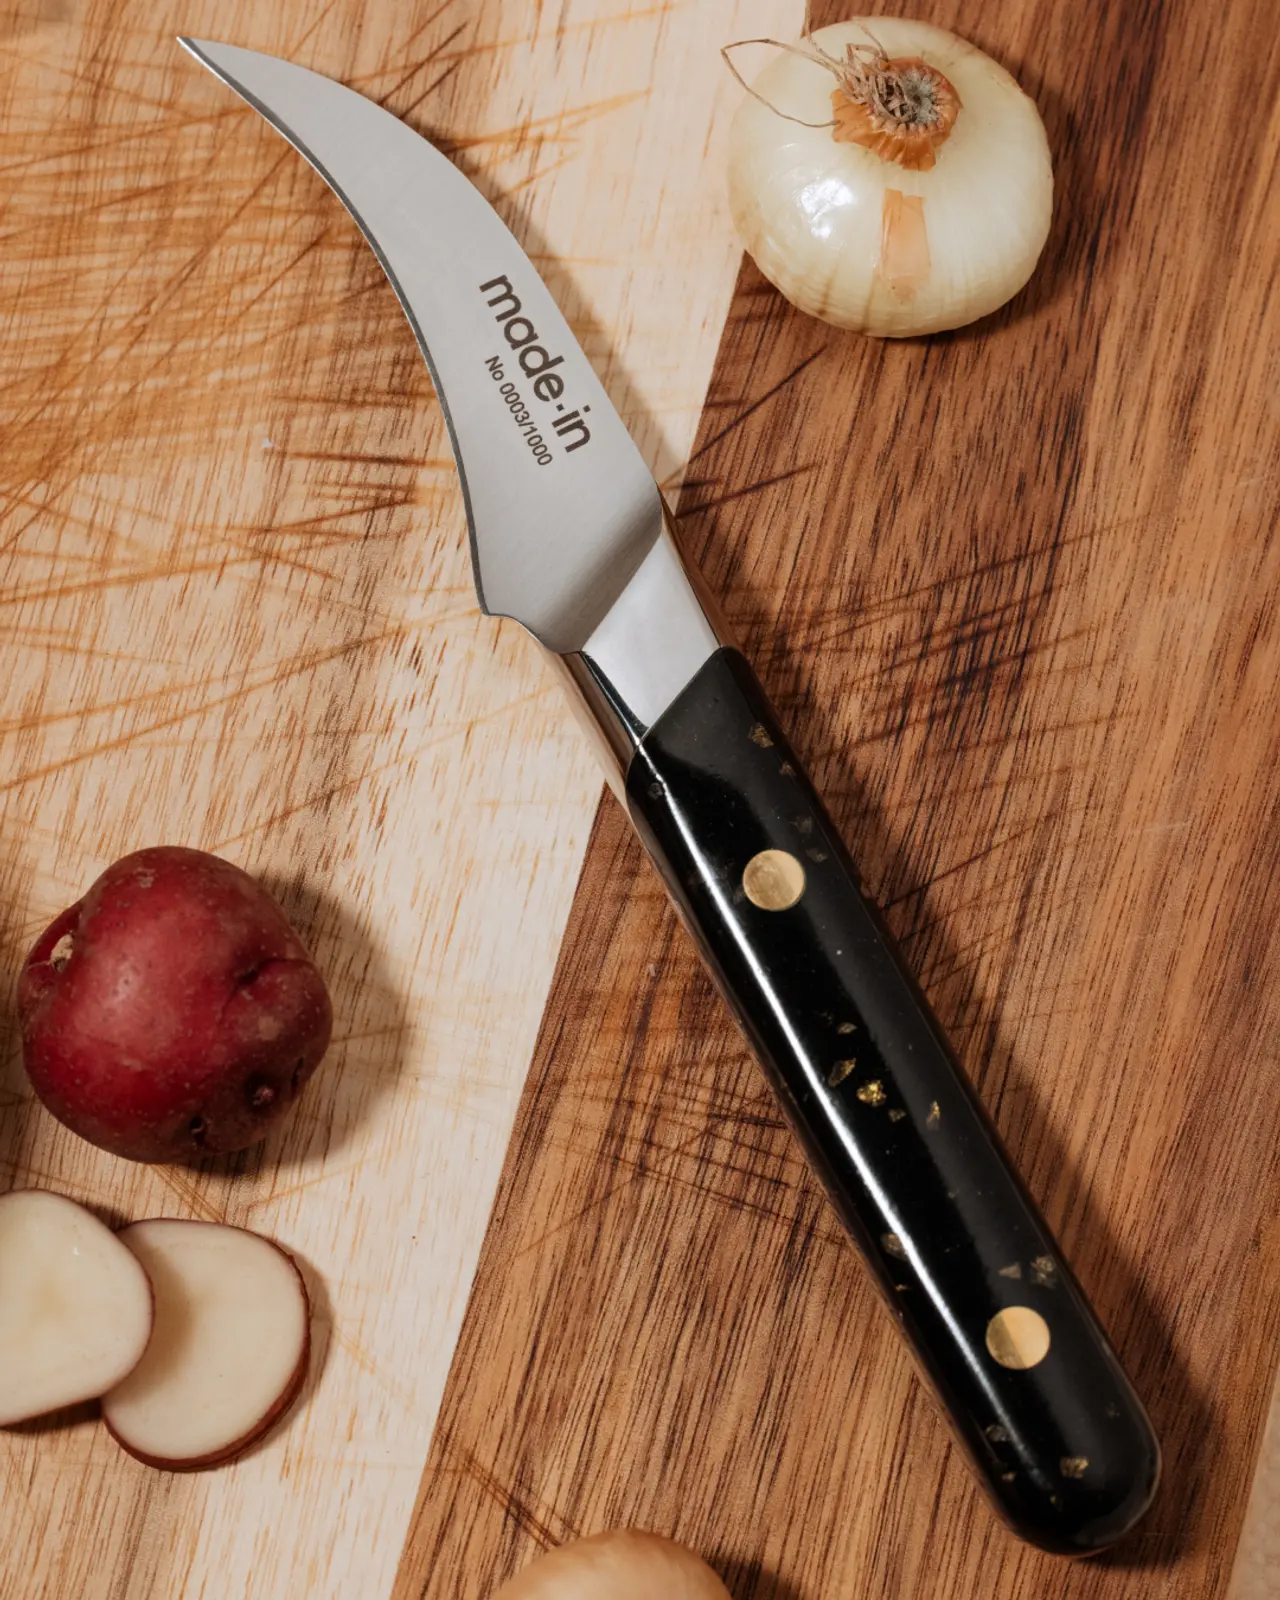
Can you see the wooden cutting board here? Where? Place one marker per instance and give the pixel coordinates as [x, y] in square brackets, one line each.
[1017, 591]
[238, 613]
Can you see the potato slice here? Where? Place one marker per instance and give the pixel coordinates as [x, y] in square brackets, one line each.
[229, 1351]
[75, 1305]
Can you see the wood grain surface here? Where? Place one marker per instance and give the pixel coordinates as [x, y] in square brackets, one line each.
[1016, 591]
[237, 612]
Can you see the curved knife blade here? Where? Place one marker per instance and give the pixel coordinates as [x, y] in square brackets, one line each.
[560, 504]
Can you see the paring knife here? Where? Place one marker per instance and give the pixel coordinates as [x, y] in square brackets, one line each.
[570, 537]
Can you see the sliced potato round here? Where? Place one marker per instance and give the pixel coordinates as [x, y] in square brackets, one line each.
[230, 1346]
[75, 1305]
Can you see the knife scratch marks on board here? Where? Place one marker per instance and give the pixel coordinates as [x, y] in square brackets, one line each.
[126, 580]
[45, 1177]
[538, 176]
[387, 97]
[291, 669]
[436, 84]
[349, 785]
[242, 309]
[168, 691]
[731, 495]
[312, 28]
[825, 624]
[547, 1528]
[668, 1163]
[191, 1193]
[564, 30]
[324, 521]
[276, 1193]
[362, 458]
[401, 1393]
[973, 859]
[390, 1030]
[98, 143]
[404, 46]
[753, 406]
[562, 126]
[598, 1202]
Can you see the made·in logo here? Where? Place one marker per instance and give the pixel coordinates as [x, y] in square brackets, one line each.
[536, 363]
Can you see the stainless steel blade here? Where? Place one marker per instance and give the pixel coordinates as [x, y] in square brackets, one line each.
[561, 506]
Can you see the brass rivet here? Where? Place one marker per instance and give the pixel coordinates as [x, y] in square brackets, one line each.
[1018, 1338]
[773, 880]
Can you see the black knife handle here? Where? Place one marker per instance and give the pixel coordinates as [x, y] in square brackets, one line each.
[908, 1157]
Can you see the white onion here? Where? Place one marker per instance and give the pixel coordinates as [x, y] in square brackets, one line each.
[864, 242]
[625, 1565]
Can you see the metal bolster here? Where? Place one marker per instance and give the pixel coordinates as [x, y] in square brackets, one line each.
[650, 644]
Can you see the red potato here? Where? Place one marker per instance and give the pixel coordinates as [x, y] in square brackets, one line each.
[173, 1012]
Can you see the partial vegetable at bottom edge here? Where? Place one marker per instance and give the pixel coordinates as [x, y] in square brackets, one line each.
[626, 1564]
